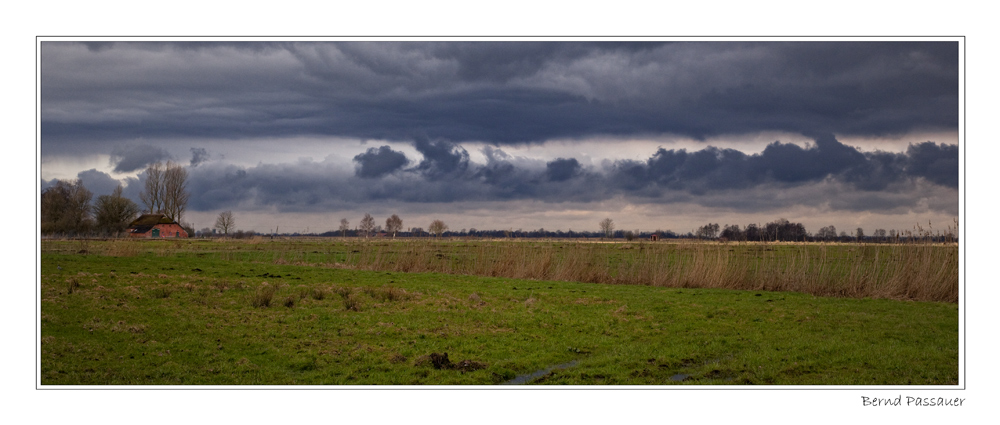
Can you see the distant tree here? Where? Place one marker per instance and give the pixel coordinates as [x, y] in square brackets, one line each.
[225, 222]
[827, 233]
[344, 227]
[393, 224]
[860, 234]
[783, 230]
[880, 234]
[205, 232]
[753, 233]
[732, 233]
[114, 212]
[708, 231]
[437, 227]
[607, 227]
[188, 228]
[367, 224]
[175, 195]
[151, 195]
[629, 235]
[65, 208]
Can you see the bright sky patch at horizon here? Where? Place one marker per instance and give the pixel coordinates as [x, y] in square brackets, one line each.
[516, 134]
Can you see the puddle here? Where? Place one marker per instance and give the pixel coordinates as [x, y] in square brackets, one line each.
[524, 379]
[679, 377]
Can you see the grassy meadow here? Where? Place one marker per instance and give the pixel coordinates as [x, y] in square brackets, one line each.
[353, 312]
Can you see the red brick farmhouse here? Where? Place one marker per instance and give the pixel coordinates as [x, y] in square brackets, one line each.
[155, 226]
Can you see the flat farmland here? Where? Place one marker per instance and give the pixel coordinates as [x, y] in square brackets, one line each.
[427, 312]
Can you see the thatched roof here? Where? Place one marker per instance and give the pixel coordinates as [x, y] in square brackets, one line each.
[146, 222]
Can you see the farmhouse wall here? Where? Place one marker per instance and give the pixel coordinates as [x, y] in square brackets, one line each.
[166, 231]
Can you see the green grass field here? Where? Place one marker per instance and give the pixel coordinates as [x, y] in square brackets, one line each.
[316, 312]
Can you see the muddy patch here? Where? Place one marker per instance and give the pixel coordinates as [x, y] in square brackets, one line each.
[441, 361]
[524, 379]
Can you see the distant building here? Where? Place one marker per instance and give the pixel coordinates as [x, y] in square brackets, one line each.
[155, 226]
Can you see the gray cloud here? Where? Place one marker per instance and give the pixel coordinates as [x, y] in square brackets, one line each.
[494, 92]
[781, 176]
[442, 159]
[98, 182]
[562, 169]
[198, 155]
[136, 157]
[937, 163]
[379, 162]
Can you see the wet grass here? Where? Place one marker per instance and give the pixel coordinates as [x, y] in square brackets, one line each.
[190, 316]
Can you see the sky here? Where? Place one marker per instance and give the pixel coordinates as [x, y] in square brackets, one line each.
[668, 134]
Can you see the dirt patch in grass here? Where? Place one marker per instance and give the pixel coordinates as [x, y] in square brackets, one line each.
[441, 361]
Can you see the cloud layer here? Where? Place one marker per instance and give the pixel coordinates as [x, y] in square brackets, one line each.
[711, 176]
[493, 92]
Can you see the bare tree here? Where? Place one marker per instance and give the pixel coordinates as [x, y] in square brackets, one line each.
[437, 227]
[393, 224]
[175, 195]
[608, 227]
[344, 227]
[225, 222]
[166, 190]
[114, 212]
[152, 195]
[367, 224]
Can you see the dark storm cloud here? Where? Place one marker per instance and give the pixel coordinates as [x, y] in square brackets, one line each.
[198, 155]
[937, 163]
[379, 162]
[826, 174]
[562, 169]
[135, 157]
[788, 164]
[442, 159]
[494, 92]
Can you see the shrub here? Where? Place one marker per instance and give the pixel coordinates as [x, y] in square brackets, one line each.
[161, 292]
[343, 291]
[352, 303]
[387, 293]
[72, 284]
[263, 296]
[318, 293]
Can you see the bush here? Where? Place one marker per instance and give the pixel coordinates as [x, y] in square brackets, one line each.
[318, 293]
[352, 303]
[263, 296]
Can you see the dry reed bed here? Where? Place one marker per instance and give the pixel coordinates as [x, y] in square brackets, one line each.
[902, 271]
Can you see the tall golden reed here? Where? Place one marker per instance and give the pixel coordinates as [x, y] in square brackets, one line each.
[913, 271]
